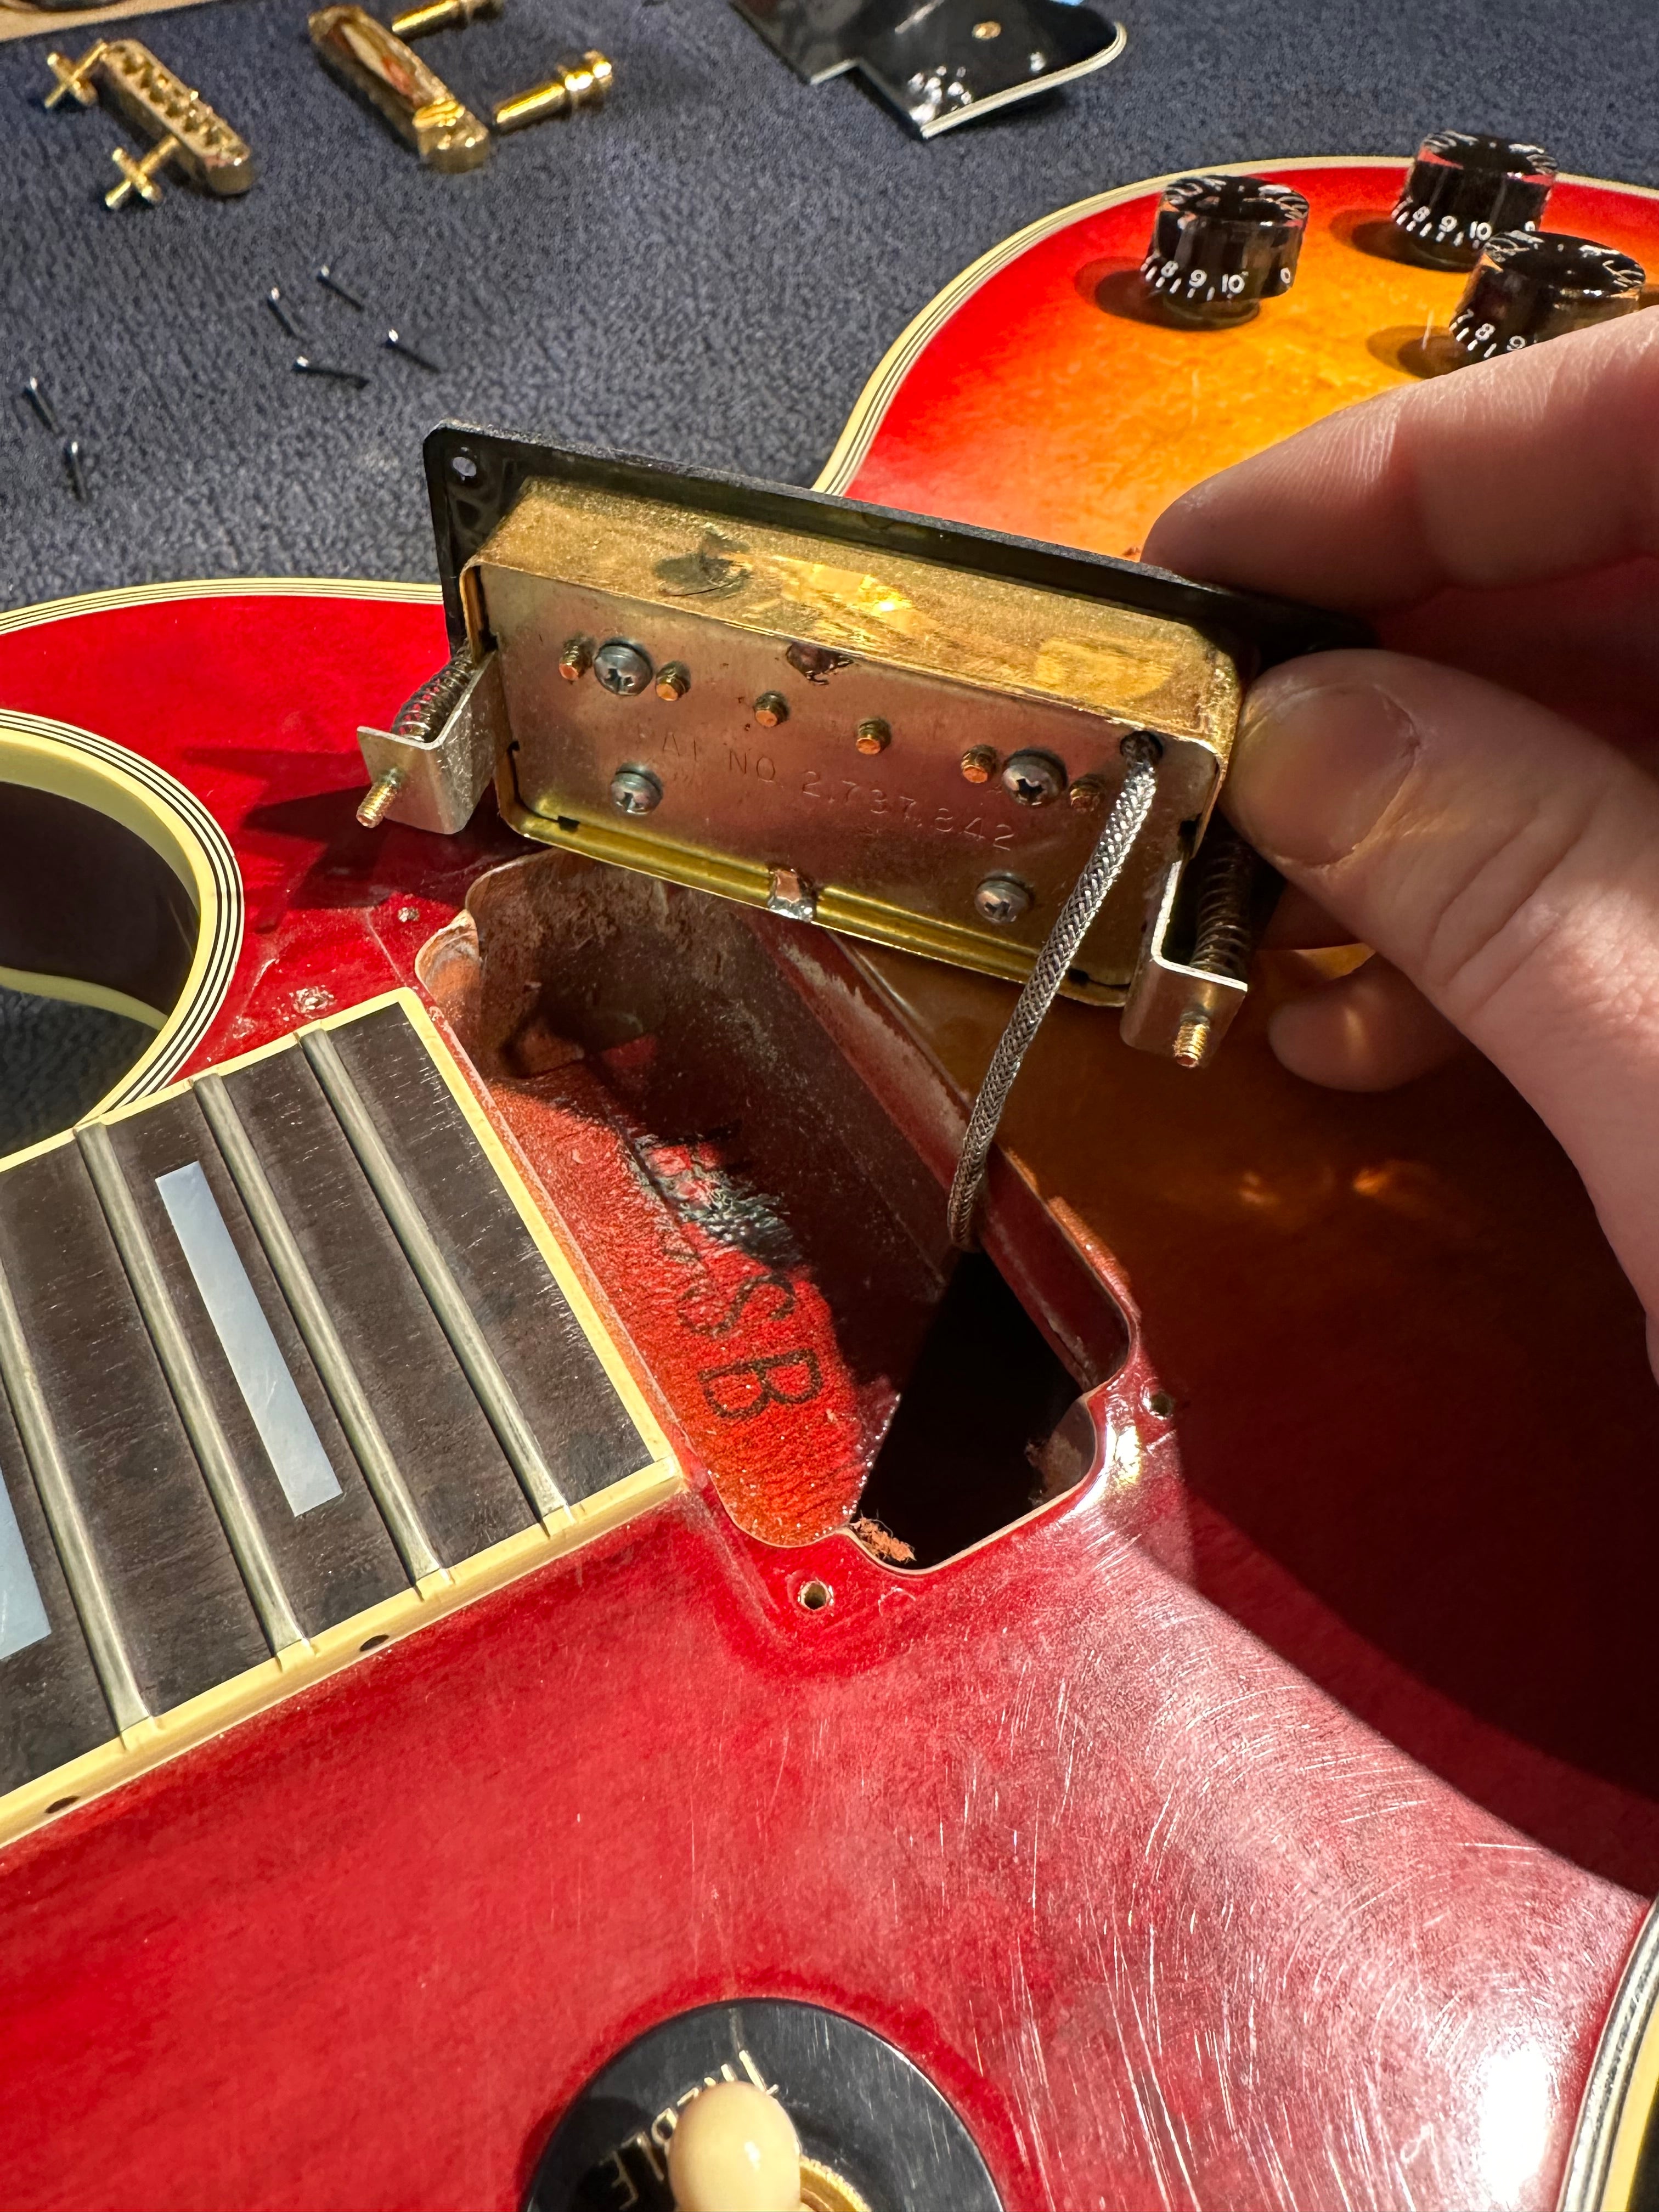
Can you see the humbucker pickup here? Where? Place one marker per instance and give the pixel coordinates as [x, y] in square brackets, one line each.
[912, 732]
[292, 1365]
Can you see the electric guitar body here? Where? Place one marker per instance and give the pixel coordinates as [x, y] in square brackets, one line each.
[1151, 1718]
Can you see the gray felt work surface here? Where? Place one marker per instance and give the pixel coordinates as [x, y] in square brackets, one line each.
[707, 270]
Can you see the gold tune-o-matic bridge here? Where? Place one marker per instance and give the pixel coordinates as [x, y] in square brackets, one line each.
[910, 731]
[184, 129]
[371, 61]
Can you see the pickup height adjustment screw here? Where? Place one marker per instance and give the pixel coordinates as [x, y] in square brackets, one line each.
[1034, 779]
[634, 791]
[674, 681]
[1002, 899]
[575, 657]
[979, 764]
[621, 668]
[771, 708]
[873, 737]
[377, 799]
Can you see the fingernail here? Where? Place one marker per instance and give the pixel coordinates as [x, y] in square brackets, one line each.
[1316, 765]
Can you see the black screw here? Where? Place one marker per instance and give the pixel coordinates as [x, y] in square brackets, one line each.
[274, 302]
[42, 406]
[330, 283]
[308, 368]
[398, 344]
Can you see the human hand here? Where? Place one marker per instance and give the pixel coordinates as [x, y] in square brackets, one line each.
[1479, 799]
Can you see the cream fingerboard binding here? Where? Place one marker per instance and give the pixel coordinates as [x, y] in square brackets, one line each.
[292, 1363]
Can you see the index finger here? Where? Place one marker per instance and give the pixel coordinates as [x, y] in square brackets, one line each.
[1538, 464]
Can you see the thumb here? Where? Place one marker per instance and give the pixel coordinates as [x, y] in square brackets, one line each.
[1504, 861]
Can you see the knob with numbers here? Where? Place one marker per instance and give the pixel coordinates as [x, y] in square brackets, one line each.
[1222, 245]
[1529, 286]
[1464, 188]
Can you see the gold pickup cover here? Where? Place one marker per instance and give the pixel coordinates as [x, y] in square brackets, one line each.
[839, 732]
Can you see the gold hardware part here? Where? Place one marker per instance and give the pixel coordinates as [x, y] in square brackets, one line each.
[674, 681]
[579, 80]
[1192, 1038]
[990, 28]
[873, 737]
[74, 78]
[441, 16]
[377, 800]
[160, 105]
[140, 176]
[979, 764]
[368, 59]
[892, 847]
[577, 658]
[771, 708]
[1086, 795]
[823, 2190]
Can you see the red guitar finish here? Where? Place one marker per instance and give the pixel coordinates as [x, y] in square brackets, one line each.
[1166, 1922]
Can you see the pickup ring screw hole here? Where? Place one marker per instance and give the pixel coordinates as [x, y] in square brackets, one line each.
[1160, 1405]
[374, 1643]
[464, 467]
[816, 1596]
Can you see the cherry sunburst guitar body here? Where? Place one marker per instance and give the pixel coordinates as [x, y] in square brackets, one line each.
[1267, 1820]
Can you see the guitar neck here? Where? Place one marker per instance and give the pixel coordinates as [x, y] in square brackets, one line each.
[291, 1362]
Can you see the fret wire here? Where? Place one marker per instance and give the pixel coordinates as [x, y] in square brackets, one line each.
[455, 1318]
[89, 1592]
[316, 1325]
[190, 1391]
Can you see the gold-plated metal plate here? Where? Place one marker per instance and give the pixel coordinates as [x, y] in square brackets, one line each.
[889, 844]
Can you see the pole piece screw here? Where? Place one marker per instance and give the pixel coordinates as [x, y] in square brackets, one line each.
[873, 737]
[634, 791]
[1002, 899]
[673, 681]
[575, 658]
[770, 709]
[1087, 794]
[979, 764]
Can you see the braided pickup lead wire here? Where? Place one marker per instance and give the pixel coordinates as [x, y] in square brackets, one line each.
[1088, 895]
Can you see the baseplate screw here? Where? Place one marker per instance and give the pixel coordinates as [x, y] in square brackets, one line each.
[1002, 899]
[634, 791]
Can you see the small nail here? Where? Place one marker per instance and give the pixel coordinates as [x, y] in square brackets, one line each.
[274, 302]
[306, 367]
[1317, 765]
[77, 475]
[42, 406]
[398, 344]
[330, 283]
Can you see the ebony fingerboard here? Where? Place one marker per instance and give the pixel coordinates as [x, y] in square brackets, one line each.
[291, 1362]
